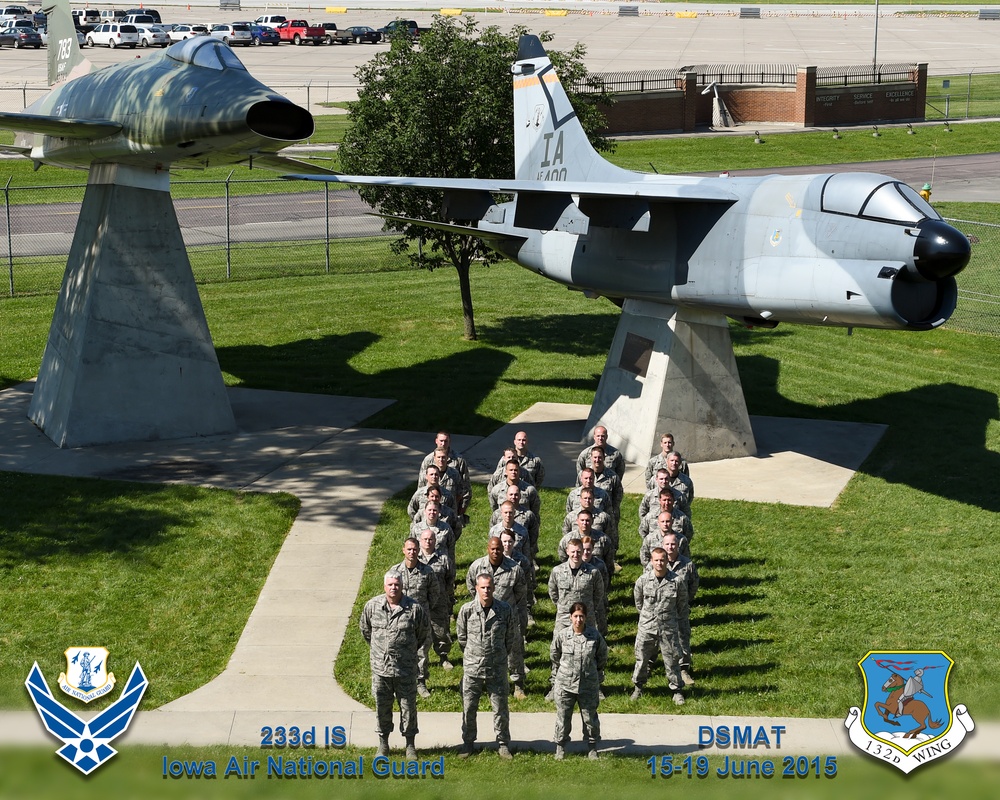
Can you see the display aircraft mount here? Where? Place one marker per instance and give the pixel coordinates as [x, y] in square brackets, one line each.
[129, 354]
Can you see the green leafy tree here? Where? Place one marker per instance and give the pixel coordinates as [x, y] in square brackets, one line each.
[443, 107]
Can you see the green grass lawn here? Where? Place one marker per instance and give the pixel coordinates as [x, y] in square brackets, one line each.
[163, 575]
[788, 593]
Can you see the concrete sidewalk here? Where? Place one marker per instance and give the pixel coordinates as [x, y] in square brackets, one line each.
[281, 672]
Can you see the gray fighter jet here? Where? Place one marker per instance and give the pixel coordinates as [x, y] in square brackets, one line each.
[191, 105]
[843, 249]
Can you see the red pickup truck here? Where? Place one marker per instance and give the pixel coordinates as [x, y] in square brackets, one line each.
[298, 31]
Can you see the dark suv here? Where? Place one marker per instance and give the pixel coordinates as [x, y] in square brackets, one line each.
[407, 25]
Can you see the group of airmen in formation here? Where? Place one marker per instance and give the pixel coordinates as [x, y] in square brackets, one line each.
[414, 614]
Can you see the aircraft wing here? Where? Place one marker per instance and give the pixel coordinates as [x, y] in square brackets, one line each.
[451, 227]
[284, 164]
[678, 189]
[59, 126]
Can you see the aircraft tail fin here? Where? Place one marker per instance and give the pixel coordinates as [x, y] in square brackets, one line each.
[66, 59]
[550, 144]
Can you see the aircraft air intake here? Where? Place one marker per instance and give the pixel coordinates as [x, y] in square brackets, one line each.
[941, 251]
[280, 120]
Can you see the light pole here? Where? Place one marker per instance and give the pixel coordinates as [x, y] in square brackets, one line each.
[875, 47]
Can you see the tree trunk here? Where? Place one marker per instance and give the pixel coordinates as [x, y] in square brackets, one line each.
[463, 269]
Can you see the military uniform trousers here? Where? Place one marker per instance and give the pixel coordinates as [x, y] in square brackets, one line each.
[667, 641]
[498, 689]
[588, 702]
[385, 688]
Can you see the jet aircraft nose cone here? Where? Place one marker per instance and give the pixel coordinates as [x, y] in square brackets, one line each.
[941, 251]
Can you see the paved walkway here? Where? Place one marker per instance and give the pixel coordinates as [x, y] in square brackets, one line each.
[281, 670]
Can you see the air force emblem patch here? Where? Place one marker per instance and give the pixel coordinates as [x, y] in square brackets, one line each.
[86, 743]
[907, 719]
[86, 677]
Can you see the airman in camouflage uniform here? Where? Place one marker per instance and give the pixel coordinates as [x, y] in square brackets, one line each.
[394, 626]
[512, 477]
[607, 479]
[654, 539]
[443, 442]
[419, 498]
[522, 515]
[612, 455]
[510, 584]
[684, 573]
[655, 597]
[487, 629]
[680, 523]
[579, 654]
[421, 585]
[437, 559]
[575, 581]
[603, 521]
[681, 484]
[602, 500]
[659, 461]
[430, 518]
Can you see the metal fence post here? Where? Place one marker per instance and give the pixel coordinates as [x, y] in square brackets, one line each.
[10, 236]
[968, 99]
[229, 260]
[326, 187]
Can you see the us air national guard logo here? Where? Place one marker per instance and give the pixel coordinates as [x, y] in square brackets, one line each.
[907, 719]
[86, 677]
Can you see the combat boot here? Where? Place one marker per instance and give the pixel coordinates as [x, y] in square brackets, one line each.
[519, 692]
[504, 752]
[687, 677]
[411, 749]
[560, 752]
[383, 745]
[592, 751]
[636, 693]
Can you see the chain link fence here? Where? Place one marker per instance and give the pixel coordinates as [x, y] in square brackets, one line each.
[249, 229]
[233, 230]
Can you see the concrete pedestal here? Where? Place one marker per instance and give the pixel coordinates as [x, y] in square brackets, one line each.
[672, 369]
[129, 356]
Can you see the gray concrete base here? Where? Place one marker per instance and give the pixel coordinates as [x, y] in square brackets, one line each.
[129, 355]
[672, 369]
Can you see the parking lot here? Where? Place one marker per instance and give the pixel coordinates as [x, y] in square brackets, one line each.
[315, 74]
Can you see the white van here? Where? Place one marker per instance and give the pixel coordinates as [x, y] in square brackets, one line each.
[86, 16]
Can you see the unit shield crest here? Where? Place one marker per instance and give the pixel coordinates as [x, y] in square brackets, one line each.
[86, 677]
[907, 719]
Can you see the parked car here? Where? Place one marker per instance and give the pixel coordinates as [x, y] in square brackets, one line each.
[86, 16]
[181, 32]
[138, 19]
[364, 33]
[80, 38]
[112, 15]
[270, 20]
[335, 36]
[18, 37]
[408, 26]
[19, 23]
[150, 11]
[14, 12]
[152, 36]
[114, 34]
[262, 34]
[298, 31]
[236, 33]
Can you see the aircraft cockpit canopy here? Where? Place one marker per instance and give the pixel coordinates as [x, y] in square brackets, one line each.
[865, 194]
[204, 51]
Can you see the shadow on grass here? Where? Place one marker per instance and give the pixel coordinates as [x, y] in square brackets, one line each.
[955, 417]
[438, 393]
[570, 334]
[75, 523]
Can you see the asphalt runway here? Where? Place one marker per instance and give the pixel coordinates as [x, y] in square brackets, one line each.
[803, 35]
